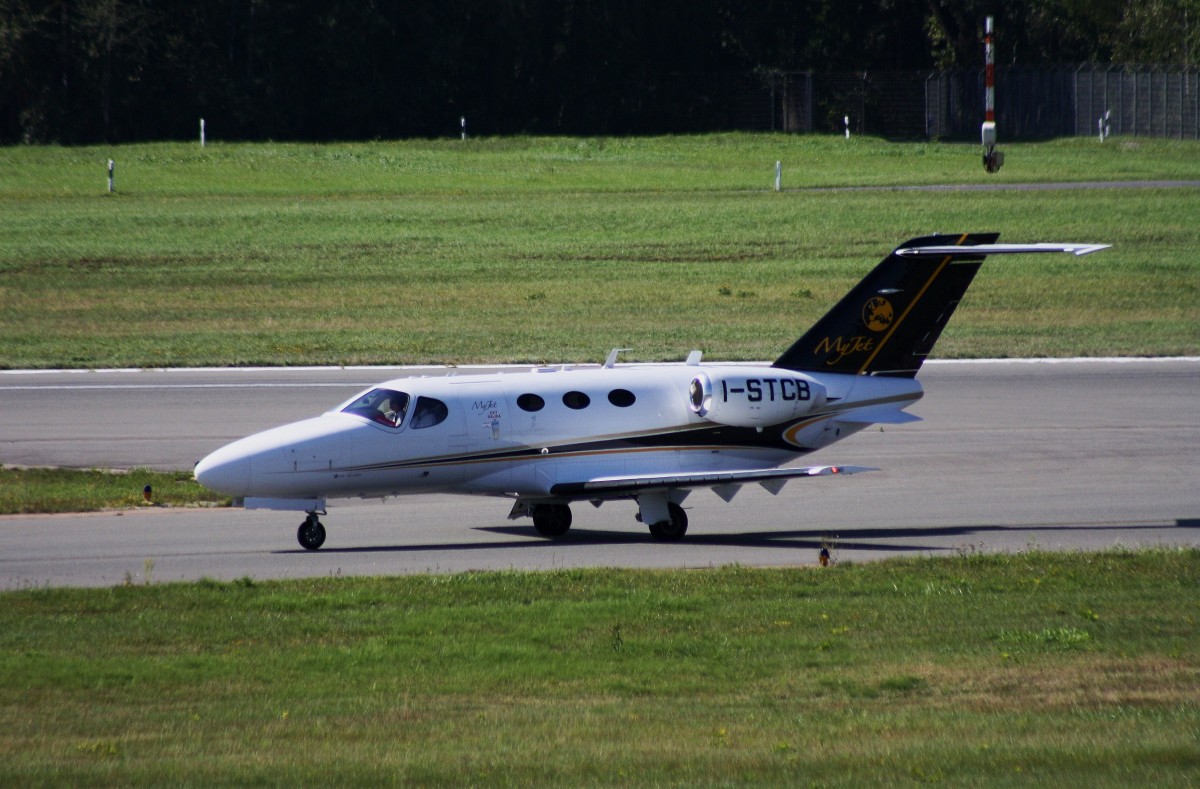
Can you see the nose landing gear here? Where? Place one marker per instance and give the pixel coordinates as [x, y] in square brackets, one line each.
[311, 533]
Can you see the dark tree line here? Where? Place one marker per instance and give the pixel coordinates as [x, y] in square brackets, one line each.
[78, 71]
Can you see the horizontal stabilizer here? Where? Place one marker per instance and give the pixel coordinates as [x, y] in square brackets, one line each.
[620, 487]
[999, 249]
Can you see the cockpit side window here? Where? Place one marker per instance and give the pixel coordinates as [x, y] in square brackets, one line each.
[428, 412]
[385, 406]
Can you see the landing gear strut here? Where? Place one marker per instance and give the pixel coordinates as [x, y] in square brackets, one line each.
[551, 520]
[311, 533]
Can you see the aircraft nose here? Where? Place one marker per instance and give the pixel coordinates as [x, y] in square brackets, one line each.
[224, 472]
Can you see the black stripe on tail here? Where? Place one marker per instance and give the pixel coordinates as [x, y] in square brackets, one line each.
[888, 323]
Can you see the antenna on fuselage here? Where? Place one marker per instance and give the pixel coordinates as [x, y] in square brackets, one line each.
[612, 357]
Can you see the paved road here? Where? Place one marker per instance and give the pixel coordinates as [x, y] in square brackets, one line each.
[1012, 455]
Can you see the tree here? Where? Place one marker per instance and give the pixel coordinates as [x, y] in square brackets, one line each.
[1159, 31]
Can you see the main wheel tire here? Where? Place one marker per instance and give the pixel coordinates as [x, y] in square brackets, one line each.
[551, 520]
[674, 529]
[311, 533]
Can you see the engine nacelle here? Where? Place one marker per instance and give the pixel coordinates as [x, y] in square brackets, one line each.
[753, 398]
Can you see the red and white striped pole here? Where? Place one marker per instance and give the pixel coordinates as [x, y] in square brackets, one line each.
[992, 159]
[989, 72]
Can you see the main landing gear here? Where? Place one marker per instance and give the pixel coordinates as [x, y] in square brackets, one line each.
[311, 533]
[554, 520]
[551, 520]
[672, 529]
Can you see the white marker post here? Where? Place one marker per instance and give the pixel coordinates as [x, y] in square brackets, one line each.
[111, 168]
[846, 122]
[201, 132]
[778, 176]
[463, 122]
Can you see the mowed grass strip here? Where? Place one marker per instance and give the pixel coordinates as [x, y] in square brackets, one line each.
[44, 490]
[1064, 669]
[532, 250]
[712, 162]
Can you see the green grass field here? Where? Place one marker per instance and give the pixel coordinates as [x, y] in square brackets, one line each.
[1040, 669]
[29, 490]
[560, 249]
[1030, 670]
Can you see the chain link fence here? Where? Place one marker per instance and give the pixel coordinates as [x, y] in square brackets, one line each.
[1149, 101]
[1036, 103]
[1031, 103]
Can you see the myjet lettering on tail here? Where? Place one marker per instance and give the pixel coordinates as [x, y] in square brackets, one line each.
[651, 434]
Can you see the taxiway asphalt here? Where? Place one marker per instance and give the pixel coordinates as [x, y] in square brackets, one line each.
[1012, 455]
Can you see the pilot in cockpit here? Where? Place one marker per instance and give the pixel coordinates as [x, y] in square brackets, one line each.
[393, 410]
[385, 406]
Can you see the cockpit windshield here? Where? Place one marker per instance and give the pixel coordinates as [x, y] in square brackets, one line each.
[385, 406]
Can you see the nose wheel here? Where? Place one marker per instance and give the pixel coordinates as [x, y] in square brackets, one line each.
[311, 533]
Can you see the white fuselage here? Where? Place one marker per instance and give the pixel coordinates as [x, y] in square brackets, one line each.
[518, 434]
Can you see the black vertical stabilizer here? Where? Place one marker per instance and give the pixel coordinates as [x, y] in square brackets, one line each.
[887, 324]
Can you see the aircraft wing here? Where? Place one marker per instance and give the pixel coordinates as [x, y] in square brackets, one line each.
[724, 483]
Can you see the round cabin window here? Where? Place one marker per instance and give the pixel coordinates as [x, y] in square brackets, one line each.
[621, 398]
[576, 400]
[530, 402]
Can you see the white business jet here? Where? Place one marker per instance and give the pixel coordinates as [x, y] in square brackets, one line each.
[545, 438]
